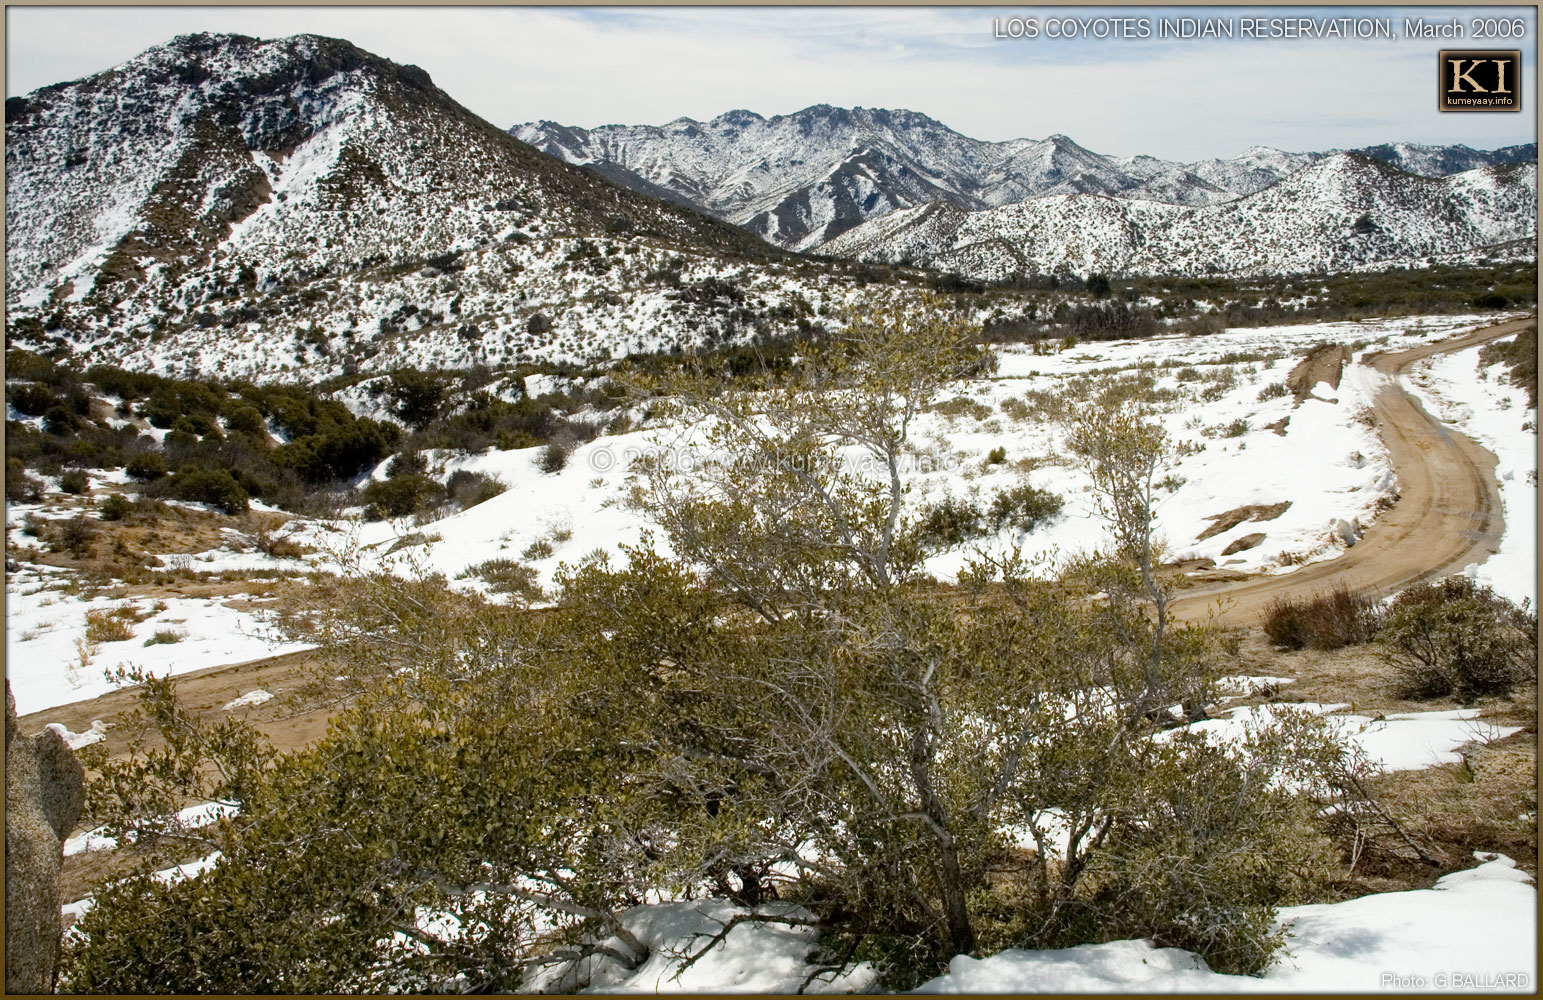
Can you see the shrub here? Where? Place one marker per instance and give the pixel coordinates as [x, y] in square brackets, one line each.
[32, 400]
[147, 466]
[400, 497]
[1236, 428]
[996, 456]
[1459, 638]
[1275, 390]
[554, 457]
[407, 463]
[20, 485]
[279, 546]
[216, 487]
[110, 626]
[74, 536]
[115, 507]
[164, 636]
[468, 489]
[1023, 507]
[946, 523]
[508, 576]
[1341, 617]
[539, 549]
[75, 482]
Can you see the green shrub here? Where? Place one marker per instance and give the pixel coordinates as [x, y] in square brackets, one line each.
[216, 487]
[1275, 390]
[1023, 508]
[75, 482]
[1341, 617]
[33, 399]
[73, 536]
[20, 485]
[115, 507]
[468, 489]
[407, 463]
[508, 576]
[554, 457]
[147, 466]
[996, 456]
[1459, 638]
[539, 549]
[400, 497]
[946, 523]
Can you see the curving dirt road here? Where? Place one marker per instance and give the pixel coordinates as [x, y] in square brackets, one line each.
[1447, 515]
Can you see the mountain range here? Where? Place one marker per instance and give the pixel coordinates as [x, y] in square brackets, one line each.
[1346, 211]
[223, 201]
[224, 204]
[803, 179]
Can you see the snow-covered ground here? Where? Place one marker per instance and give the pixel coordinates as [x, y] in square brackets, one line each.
[1475, 930]
[50, 661]
[1480, 402]
[1216, 400]
[1328, 463]
[1404, 741]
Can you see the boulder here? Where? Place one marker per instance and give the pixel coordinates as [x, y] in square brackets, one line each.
[44, 794]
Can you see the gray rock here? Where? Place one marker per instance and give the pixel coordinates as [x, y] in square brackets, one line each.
[44, 794]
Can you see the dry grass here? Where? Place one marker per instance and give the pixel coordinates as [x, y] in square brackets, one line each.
[115, 624]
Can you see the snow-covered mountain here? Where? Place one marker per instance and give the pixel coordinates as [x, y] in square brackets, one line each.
[225, 203]
[1345, 211]
[800, 180]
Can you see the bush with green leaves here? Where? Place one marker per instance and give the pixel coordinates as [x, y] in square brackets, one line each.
[20, 485]
[401, 496]
[74, 482]
[1023, 508]
[216, 487]
[115, 507]
[777, 708]
[467, 489]
[147, 466]
[1459, 638]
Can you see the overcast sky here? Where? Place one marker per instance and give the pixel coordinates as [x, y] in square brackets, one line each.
[1176, 98]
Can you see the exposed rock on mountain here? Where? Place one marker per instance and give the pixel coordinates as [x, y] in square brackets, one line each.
[803, 179]
[222, 202]
[1346, 211]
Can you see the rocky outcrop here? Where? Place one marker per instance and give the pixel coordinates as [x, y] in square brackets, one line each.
[44, 793]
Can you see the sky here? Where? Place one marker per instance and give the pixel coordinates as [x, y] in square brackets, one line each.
[1175, 98]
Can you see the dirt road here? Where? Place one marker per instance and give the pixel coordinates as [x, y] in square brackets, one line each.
[1447, 515]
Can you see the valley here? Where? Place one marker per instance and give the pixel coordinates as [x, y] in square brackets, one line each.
[821, 552]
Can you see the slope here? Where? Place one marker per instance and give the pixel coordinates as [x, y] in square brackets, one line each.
[226, 200]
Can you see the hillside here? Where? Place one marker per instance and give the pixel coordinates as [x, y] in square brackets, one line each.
[222, 203]
[803, 179]
[1346, 211]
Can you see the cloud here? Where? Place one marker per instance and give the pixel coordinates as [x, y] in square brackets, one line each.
[594, 66]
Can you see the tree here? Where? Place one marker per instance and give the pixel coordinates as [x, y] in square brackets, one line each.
[780, 706]
[1124, 452]
[418, 398]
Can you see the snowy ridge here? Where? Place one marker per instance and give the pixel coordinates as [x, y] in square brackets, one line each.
[801, 180]
[1345, 211]
[272, 205]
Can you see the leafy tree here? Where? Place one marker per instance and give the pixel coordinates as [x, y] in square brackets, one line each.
[779, 708]
[417, 397]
